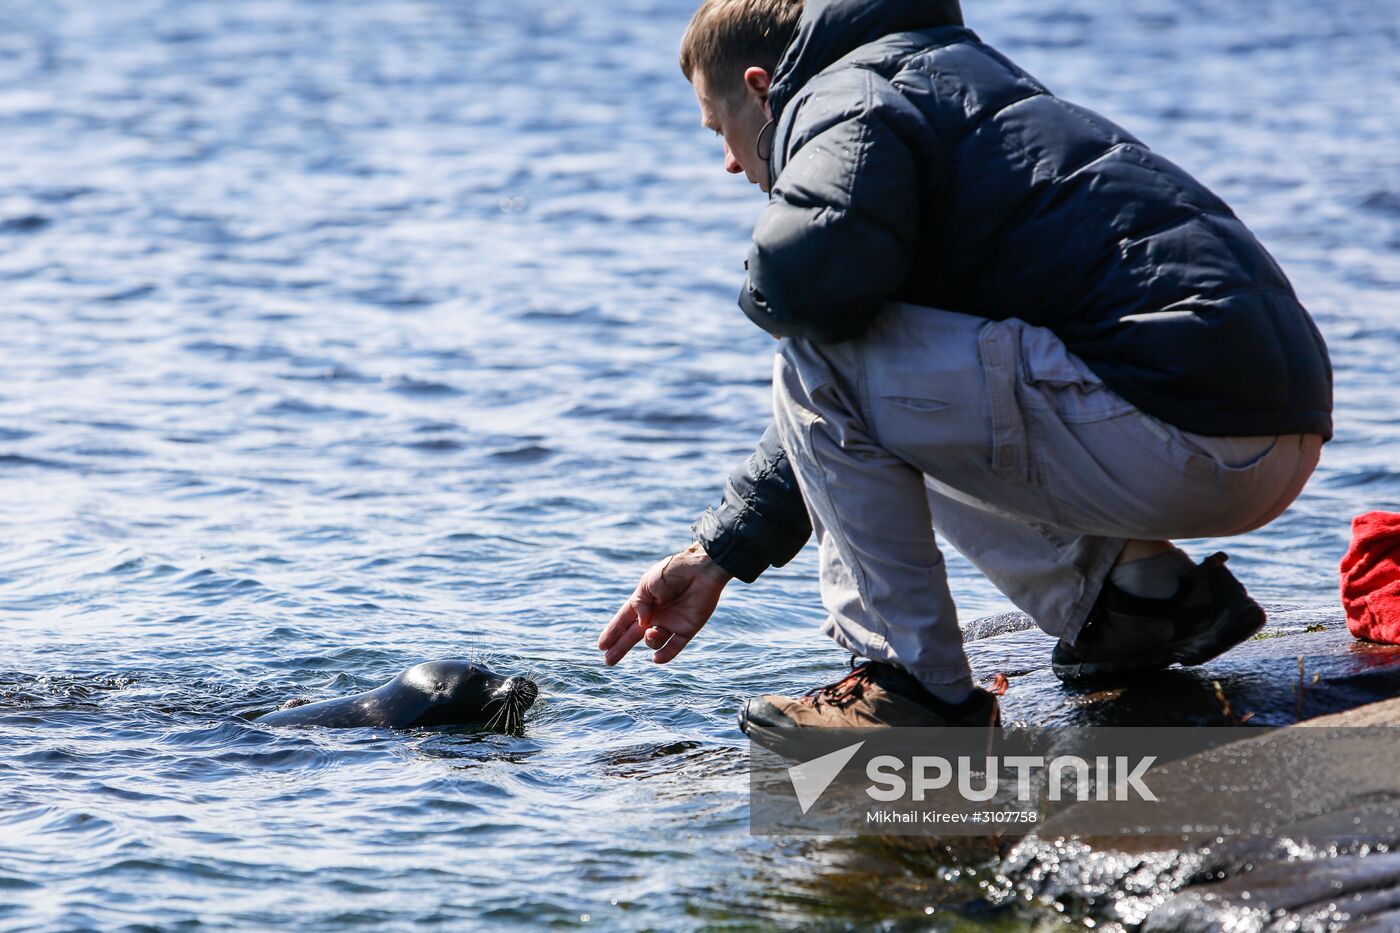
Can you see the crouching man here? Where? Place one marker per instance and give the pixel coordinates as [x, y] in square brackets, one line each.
[1004, 321]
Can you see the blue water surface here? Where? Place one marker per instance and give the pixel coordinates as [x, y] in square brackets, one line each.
[344, 335]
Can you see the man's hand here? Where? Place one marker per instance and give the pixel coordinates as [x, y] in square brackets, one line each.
[671, 604]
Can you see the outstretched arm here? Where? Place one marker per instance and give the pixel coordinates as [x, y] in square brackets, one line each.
[761, 522]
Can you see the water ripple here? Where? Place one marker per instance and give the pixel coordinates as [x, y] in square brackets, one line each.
[330, 351]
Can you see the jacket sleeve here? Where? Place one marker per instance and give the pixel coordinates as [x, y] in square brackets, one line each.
[835, 240]
[762, 520]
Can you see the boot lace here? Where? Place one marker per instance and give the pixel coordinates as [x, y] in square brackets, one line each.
[843, 692]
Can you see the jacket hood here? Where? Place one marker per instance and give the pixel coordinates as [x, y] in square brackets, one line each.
[829, 29]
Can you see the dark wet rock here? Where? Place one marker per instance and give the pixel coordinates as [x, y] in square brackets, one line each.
[1243, 883]
[1330, 855]
[1307, 894]
[1005, 623]
[1303, 664]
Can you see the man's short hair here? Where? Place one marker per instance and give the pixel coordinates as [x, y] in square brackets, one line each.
[725, 37]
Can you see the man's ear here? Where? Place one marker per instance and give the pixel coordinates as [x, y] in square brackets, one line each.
[758, 81]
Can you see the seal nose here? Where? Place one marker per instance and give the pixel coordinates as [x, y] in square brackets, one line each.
[525, 690]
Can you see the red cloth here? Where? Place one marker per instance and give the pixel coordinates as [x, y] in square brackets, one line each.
[1371, 577]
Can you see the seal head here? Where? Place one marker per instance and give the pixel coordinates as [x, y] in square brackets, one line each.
[434, 693]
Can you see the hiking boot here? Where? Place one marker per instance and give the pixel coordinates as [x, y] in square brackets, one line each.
[871, 695]
[1209, 614]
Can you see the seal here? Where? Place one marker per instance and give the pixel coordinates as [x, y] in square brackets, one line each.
[434, 693]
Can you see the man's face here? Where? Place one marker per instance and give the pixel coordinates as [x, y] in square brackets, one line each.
[739, 120]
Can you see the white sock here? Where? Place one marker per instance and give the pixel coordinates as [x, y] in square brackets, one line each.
[1152, 577]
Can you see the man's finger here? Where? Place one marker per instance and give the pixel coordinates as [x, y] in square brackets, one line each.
[656, 637]
[625, 618]
[624, 643]
[670, 649]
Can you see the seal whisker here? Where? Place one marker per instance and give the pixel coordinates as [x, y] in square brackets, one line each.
[515, 717]
[509, 714]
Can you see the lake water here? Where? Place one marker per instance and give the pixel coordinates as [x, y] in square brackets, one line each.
[340, 336]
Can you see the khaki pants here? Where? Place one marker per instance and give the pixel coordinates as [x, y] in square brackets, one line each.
[993, 436]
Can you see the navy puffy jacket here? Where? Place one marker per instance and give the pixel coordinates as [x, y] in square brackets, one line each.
[913, 162]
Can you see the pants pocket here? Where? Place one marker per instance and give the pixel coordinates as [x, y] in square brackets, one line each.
[1232, 454]
[1063, 382]
[1198, 462]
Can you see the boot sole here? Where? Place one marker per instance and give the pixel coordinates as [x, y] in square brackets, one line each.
[799, 744]
[1231, 628]
[784, 742]
[776, 739]
[796, 743]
